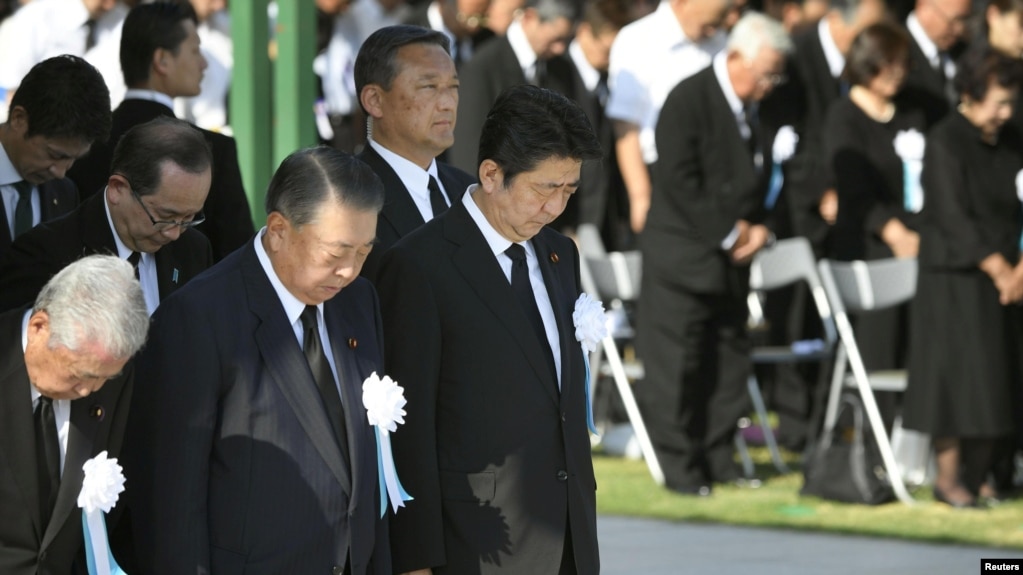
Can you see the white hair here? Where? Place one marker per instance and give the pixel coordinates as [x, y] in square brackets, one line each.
[754, 32]
[96, 300]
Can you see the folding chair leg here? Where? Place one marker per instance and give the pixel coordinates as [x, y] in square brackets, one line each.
[747, 461]
[835, 392]
[632, 409]
[885, 446]
[761, 409]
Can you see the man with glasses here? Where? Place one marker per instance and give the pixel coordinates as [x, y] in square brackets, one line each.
[710, 183]
[464, 22]
[159, 180]
[937, 29]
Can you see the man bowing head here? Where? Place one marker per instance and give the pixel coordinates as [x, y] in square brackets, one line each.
[253, 451]
[478, 320]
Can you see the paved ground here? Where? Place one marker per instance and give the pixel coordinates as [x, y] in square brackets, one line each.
[640, 546]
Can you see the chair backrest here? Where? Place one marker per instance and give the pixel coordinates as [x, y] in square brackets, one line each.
[868, 285]
[590, 242]
[789, 261]
[617, 274]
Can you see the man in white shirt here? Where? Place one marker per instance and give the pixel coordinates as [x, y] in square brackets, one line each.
[936, 28]
[649, 58]
[409, 127]
[57, 408]
[61, 108]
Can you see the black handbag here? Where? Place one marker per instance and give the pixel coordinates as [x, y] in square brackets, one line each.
[845, 465]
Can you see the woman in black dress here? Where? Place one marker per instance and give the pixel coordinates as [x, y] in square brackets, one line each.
[965, 346]
[871, 176]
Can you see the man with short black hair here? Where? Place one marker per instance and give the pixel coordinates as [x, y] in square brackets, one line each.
[60, 110]
[161, 60]
[393, 65]
[477, 307]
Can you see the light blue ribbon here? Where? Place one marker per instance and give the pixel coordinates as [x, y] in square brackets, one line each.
[774, 189]
[384, 493]
[90, 557]
[586, 389]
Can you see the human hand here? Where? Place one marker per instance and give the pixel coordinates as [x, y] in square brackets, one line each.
[828, 206]
[637, 214]
[757, 236]
[1003, 276]
[904, 242]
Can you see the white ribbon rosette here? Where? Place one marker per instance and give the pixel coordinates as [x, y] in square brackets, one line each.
[590, 329]
[101, 487]
[784, 147]
[384, 400]
[909, 145]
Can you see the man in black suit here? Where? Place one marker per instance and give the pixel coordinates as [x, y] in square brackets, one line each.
[161, 60]
[542, 31]
[478, 320]
[254, 453]
[57, 409]
[601, 199]
[409, 128]
[153, 198]
[463, 22]
[704, 227]
[937, 29]
[60, 109]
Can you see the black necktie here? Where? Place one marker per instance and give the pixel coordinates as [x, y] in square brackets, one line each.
[949, 85]
[749, 113]
[47, 457]
[460, 52]
[23, 209]
[601, 91]
[90, 34]
[524, 292]
[134, 260]
[312, 345]
[437, 201]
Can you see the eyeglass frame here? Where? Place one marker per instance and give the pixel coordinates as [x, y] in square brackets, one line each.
[164, 225]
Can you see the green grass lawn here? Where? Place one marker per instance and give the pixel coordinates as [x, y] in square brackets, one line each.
[625, 488]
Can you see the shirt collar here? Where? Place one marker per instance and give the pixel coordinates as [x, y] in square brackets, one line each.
[834, 56]
[122, 250]
[416, 179]
[8, 173]
[436, 21]
[520, 45]
[152, 95]
[928, 47]
[589, 74]
[498, 243]
[720, 65]
[293, 308]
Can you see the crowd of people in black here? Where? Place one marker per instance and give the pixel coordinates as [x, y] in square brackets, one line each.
[422, 242]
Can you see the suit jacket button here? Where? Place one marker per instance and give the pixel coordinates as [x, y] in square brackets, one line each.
[562, 475]
[337, 570]
[563, 416]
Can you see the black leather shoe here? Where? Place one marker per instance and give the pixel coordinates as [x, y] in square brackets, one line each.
[939, 496]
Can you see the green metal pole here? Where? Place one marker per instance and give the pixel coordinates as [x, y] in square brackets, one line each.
[294, 84]
[250, 100]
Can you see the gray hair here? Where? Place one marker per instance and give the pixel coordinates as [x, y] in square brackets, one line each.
[549, 10]
[96, 300]
[755, 31]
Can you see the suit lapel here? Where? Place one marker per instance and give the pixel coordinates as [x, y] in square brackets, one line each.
[454, 182]
[167, 272]
[479, 267]
[553, 277]
[5, 230]
[287, 366]
[399, 211]
[16, 418]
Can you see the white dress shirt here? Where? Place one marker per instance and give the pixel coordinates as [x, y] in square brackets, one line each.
[436, 21]
[589, 74]
[834, 56]
[147, 264]
[8, 177]
[498, 244]
[415, 179]
[929, 48]
[293, 308]
[151, 95]
[523, 51]
[648, 59]
[61, 407]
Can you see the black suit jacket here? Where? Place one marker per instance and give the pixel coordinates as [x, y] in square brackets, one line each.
[236, 468]
[97, 423]
[228, 222]
[702, 184]
[498, 462]
[38, 254]
[400, 215]
[56, 198]
[924, 86]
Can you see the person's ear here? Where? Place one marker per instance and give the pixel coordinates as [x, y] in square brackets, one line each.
[491, 176]
[277, 227]
[371, 97]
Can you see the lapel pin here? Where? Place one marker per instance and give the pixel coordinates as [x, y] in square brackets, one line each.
[554, 257]
[174, 276]
[353, 343]
[55, 201]
[96, 412]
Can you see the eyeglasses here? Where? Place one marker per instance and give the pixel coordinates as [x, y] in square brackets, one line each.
[472, 20]
[772, 80]
[164, 225]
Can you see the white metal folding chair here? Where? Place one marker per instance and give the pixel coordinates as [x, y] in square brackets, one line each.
[863, 286]
[785, 263]
[611, 277]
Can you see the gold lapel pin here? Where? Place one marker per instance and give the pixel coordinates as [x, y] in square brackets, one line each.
[353, 343]
[96, 412]
[554, 258]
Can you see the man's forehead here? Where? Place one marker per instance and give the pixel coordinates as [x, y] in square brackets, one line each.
[63, 146]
